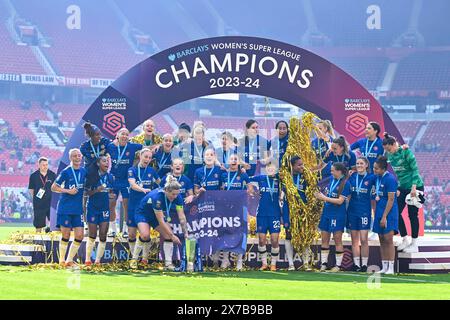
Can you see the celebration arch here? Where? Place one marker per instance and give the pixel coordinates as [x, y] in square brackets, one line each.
[232, 65]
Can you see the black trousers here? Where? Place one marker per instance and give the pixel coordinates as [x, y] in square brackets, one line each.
[413, 213]
[39, 217]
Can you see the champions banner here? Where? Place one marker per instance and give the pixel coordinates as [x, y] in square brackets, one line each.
[218, 220]
[234, 64]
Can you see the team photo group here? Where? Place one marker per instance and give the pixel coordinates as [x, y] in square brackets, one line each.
[366, 186]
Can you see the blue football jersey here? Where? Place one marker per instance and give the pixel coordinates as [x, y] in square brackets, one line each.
[71, 178]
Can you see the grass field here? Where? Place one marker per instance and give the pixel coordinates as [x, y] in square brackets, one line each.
[23, 283]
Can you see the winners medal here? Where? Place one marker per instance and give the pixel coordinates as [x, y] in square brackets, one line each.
[377, 198]
[104, 185]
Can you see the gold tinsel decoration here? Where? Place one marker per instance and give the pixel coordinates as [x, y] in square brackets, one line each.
[304, 216]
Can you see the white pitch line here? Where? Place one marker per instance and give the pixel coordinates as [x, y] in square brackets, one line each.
[384, 277]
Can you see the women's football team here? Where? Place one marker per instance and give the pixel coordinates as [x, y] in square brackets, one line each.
[156, 176]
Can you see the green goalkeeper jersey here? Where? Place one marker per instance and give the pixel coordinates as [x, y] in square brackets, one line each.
[405, 167]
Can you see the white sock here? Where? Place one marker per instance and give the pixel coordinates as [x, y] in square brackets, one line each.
[365, 260]
[73, 250]
[289, 252]
[339, 256]
[262, 250]
[168, 252]
[274, 252]
[113, 226]
[89, 247]
[324, 255]
[414, 241]
[357, 261]
[137, 249]
[145, 250]
[385, 265]
[62, 250]
[391, 266]
[100, 251]
[125, 228]
[131, 245]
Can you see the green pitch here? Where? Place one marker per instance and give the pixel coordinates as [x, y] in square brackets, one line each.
[22, 283]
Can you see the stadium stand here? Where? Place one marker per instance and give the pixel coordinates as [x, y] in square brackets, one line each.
[423, 71]
[15, 59]
[352, 30]
[99, 39]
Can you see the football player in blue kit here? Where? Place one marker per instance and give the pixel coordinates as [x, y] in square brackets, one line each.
[163, 156]
[70, 183]
[253, 148]
[359, 212]
[91, 150]
[208, 176]
[122, 156]
[234, 179]
[154, 211]
[321, 144]
[142, 179]
[95, 146]
[99, 191]
[386, 213]
[228, 148]
[300, 184]
[187, 188]
[186, 193]
[193, 152]
[268, 215]
[278, 144]
[371, 146]
[339, 152]
[333, 216]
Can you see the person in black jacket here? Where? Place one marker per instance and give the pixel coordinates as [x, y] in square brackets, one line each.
[39, 186]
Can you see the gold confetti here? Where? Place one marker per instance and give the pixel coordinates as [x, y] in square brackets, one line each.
[304, 217]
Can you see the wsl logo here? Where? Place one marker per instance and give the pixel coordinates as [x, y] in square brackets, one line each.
[356, 123]
[113, 122]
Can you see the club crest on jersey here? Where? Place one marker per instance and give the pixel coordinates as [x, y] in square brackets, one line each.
[366, 183]
[238, 178]
[182, 183]
[216, 175]
[375, 148]
[127, 154]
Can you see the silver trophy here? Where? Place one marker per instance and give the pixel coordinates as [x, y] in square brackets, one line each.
[190, 253]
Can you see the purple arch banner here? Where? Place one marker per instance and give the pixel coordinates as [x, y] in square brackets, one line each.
[232, 65]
